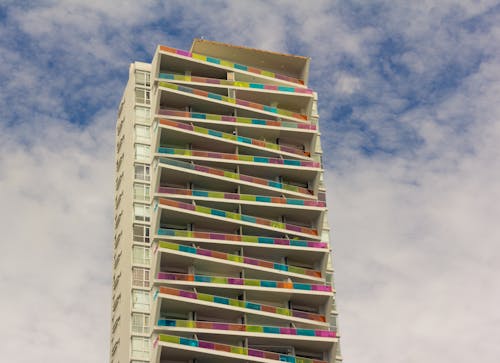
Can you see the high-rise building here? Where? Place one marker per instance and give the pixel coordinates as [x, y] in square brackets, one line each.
[221, 249]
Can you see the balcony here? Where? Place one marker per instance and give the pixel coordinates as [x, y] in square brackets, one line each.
[191, 324]
[234, 102]
[197, 173]
[240, 219]
[240, 121]
[225, 65]
[236, 84]
[229, 352]
[247, 142]
[284, 97]
[236, 282]
[238, 159]
[240, 262]
[235, 306]
[232, 197]
[223, 238]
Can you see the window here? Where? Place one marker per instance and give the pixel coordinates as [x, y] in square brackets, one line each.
[142, 152]
[143, 78]
[140, 277]
[140, 347]
[141, 234]
[141, 212]
[141, 255]
[142, 133]
[141, 192]
[142, 172]
[142, 96]
[140, 323]
[143, 115]
[140, 300]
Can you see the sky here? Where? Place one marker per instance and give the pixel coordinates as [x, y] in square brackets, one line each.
[410, 121]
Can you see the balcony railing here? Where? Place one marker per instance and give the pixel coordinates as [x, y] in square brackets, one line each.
[229, 64]
[234, 349]
[224, 82]
[240, 120]
[234, 101]
[238, 217]
[241, 304]
[239, 259]
[243, 282]
[238, 157]
[242, 197]
[242, 238]
[192, 324]
[240, 139]
[235, 176]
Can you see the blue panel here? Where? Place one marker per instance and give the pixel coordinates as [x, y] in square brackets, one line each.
[253, 306]
[216, 212]
[240, 66]
[213, 60]
[279, 266]
[188, 249]
[271, 329]
[187, 341]
[221, 300]
[258, 122]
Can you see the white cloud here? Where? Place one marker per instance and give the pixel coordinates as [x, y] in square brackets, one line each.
[347, 84]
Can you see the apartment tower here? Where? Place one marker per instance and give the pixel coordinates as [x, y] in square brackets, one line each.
[221, 247]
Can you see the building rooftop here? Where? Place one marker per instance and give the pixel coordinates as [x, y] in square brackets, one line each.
[288, 64]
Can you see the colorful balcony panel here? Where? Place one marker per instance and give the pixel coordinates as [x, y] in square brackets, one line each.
[236, 176]
[224, 82]
[239, 217]
[247, 328]
[234, 349]
[241, 120]
[239, 259]
[243, 197]
[236, 138]
[235, 101]
[241, 304]
[238, 157]
[243, 282]
[242, 238]
[229, 64]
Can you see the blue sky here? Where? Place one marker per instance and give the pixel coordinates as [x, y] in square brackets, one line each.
[410, 119]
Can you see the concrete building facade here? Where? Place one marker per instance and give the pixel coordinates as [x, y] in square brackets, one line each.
[221, 249]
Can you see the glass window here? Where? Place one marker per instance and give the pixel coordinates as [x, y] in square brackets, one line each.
[142, 172]
[140, 277]
[141, 212]
[141, 234]
[141, 255]
[141, 191]
[140, 300]
[142, 133]
[140, 323]
[143, 78]
[142, 96]
[140, 347]
[142, 114]
[142, 152]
